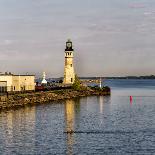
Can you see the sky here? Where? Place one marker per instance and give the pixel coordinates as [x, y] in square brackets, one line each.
[110, 37]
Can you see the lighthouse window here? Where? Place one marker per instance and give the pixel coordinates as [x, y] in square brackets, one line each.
[71, 79]
[71, 65]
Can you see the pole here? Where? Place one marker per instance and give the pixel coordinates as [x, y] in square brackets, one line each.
[100, 82]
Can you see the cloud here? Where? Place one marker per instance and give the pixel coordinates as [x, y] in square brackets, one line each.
[7, 42]
[149, 13]
[33, 35]
[137, 5]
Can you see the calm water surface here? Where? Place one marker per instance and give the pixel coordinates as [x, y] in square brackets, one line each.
[103, 125]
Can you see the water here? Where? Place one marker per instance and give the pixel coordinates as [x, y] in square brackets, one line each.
[102, 125]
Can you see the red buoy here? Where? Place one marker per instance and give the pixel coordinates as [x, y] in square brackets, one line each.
[130, 98]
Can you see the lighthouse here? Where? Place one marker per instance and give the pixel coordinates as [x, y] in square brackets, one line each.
[69, 74]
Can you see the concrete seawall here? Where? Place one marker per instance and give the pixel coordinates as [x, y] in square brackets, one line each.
[34, 98]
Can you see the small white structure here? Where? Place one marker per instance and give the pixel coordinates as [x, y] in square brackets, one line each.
[44, 79]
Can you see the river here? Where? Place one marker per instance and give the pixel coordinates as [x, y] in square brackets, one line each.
[102, 125]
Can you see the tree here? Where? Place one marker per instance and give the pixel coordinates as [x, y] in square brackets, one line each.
[77, 84]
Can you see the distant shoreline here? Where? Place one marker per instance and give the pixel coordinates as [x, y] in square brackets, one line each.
[108, 78]
[124, 77]
[35, 98]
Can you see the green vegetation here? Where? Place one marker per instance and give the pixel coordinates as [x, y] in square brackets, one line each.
[105, 88]
[77, 84]
[62, 91]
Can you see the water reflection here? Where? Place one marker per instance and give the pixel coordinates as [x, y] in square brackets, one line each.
[69, 120]
[74, 112]
[101, 102]
[7, 127]
[17, 126]
[69, 114]
[103, 125]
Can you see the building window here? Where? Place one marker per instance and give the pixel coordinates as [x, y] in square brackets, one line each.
[71, 79]
[71, 65]
[14, 88]
[11, 88]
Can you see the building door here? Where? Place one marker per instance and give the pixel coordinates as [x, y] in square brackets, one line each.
[3, 86]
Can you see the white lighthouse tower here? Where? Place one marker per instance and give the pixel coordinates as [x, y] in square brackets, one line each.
[69, 74]
[44, 79]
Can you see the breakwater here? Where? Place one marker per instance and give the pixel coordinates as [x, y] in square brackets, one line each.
[34, 98]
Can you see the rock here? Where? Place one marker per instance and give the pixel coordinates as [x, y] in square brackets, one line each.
[43, 97]
[26, 100]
